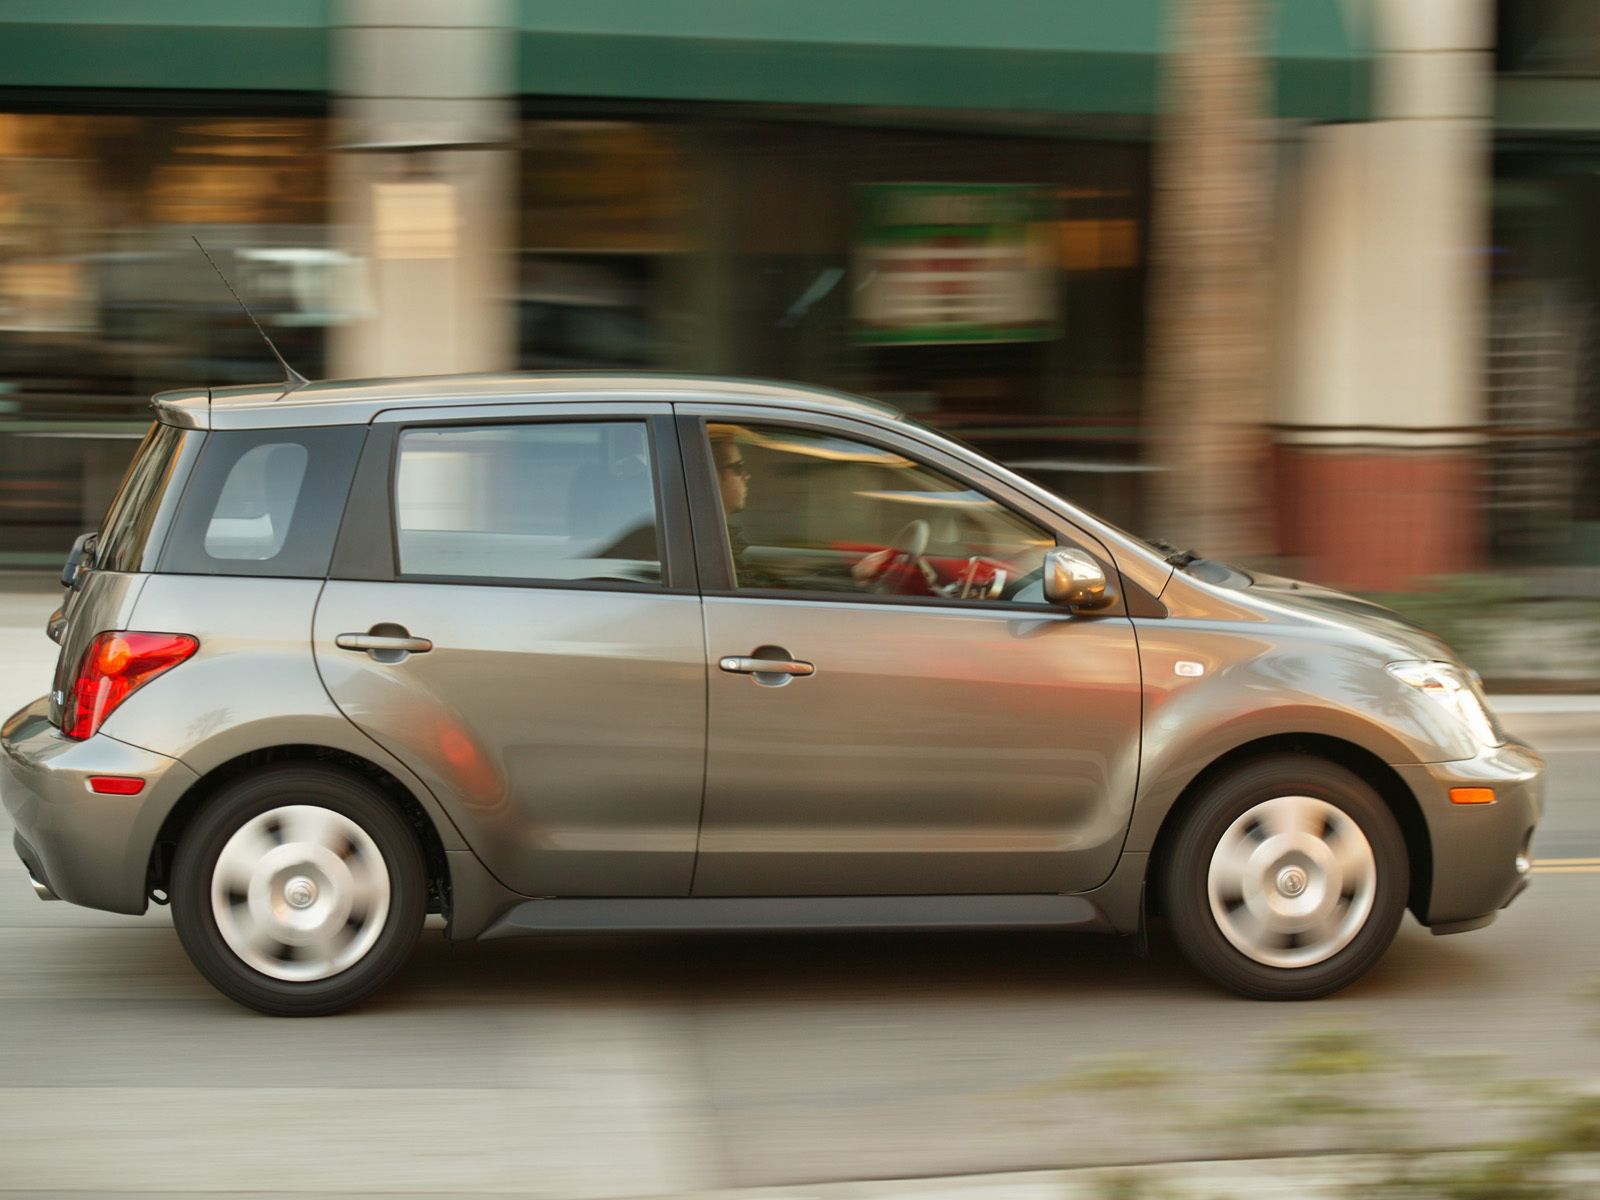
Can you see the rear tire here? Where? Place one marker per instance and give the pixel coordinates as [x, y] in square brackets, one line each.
[299, 890]
[1287, 879]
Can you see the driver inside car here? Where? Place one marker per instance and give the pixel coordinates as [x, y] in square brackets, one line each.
[871, 573]
[733, 487]
[833, 516]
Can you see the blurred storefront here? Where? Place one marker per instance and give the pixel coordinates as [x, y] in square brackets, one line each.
[104, 300]
[943, 205]
[1544, 348]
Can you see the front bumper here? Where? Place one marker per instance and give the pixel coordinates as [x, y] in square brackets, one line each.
[1481, 852]
[86, 848]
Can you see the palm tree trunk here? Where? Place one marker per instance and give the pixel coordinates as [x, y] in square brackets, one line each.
[1207, 405]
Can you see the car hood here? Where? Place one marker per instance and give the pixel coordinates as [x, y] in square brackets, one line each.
[1319, 603]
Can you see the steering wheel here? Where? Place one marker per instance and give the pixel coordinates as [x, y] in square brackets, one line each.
[910, 544]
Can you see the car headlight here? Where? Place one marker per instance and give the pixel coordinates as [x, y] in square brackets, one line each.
[1457, 691]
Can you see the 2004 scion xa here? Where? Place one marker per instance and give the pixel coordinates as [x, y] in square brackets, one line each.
[580, 653]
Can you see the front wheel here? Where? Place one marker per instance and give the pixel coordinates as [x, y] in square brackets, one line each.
[1287, 880]
[298, 890]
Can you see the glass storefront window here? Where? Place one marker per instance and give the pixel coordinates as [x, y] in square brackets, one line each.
[604, 217]
[724, 240]
[1548, 37]
[104, 299]
[1542, 458]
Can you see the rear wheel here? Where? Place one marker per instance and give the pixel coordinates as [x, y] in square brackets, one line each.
[1288, 879]
[298, 890]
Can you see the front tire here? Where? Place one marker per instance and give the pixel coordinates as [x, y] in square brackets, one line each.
[299, 890]
[1287, 880]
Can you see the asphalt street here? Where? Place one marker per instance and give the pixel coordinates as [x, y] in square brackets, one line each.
[653, 1066]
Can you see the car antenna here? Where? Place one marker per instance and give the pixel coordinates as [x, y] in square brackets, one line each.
[291, 377]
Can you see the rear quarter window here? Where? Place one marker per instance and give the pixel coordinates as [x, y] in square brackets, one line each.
[264, 502]
[129, 530]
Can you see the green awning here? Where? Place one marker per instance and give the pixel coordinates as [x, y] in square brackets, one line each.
[274, 45]
[1060, 56]
[1055, 56]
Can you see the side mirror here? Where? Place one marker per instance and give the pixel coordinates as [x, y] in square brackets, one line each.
[79, 560]
[1073, 579]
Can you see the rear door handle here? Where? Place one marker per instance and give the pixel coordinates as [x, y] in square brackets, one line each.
[766, 666]
[371, 642]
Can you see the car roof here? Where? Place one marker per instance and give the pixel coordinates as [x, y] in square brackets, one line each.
[357, 401]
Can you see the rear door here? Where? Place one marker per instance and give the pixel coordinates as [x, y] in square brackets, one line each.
[513, 614]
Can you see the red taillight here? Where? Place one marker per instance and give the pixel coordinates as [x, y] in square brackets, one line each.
[115, 666]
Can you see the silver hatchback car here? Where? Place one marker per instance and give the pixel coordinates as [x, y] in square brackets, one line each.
[585, 653]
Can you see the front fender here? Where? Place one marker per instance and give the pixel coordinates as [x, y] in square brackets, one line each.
[1256, 682]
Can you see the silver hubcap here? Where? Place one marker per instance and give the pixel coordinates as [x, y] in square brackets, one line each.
[300, 893]
[1292, 882]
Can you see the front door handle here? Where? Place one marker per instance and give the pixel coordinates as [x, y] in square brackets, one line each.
[766, 666]
[377, 643]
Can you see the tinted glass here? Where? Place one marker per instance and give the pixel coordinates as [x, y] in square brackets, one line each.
[126, 530]
[252, 516]
[813, 512]
[264, 502]
[558, 502]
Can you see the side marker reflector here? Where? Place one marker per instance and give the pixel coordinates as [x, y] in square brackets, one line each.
[1465, 795]
[115, 785]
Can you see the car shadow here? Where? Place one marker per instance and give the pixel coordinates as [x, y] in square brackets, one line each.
[861, 967]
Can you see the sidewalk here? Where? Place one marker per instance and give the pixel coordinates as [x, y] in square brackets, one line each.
[1322, 1177]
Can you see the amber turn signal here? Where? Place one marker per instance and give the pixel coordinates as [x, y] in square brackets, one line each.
[1471, 795]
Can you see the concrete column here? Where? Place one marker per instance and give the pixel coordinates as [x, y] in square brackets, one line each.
[425, 185]
[1382, 387]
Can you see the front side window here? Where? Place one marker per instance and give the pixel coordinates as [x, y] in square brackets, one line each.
[547, 502]
[814, 512]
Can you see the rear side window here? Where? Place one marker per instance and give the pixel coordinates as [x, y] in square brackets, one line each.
[264, 502]
[252, 517]
[126, 531]
[547, 502]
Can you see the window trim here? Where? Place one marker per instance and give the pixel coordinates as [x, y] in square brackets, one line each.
[368, 547]
[710, 526]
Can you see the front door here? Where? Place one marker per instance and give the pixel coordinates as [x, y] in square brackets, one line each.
[893, 706]
[534, 649]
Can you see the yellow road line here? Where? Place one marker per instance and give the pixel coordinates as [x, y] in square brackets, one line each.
[1566, 862]
[1594, 870]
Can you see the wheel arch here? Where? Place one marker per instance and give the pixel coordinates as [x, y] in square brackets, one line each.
[1381, 777]
[177, 821]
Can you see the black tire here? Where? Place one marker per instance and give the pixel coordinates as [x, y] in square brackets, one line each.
[261, 792]
[1187, 864]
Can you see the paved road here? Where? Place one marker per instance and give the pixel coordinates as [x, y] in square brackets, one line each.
[653, 1066]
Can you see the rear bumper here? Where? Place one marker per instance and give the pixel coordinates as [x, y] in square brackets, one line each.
[85, 848]
[1481, 852]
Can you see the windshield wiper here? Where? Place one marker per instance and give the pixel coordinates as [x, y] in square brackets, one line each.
[1178, 558]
